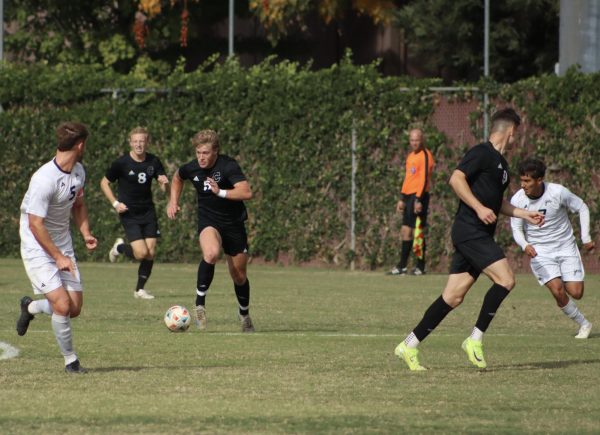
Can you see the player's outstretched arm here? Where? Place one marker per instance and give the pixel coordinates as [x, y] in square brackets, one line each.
[458, 182]
[176, 189]
[533, 217]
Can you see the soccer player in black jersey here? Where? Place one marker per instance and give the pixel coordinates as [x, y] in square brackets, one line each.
[134, 172]
[479, 181]
[222, 187]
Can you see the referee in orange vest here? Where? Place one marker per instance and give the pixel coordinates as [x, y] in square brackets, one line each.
[415, 200]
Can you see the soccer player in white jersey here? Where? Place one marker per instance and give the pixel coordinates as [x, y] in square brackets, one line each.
[55, 193]
[555, 258]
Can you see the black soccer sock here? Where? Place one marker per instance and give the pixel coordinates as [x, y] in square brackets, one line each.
[432, 318]
[421, 261]
[125, 248]
[206, 272]
[144, 272]
[491, 302]
[405, 253]
[242, 292]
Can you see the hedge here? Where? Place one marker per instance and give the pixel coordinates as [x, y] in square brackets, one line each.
[290, 128]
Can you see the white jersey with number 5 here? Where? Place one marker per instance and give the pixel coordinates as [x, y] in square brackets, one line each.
[51, 195]
[555, 237]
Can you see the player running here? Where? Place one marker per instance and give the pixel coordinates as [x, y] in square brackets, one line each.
[479, 181]
[222, 187]
[55, 193]
[134, 172]
[555, 258]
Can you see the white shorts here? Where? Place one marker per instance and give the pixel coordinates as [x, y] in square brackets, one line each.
[45, 276]
[567, 267]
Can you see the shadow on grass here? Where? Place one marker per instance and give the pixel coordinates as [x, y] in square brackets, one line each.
[541, 365]
[142, 368]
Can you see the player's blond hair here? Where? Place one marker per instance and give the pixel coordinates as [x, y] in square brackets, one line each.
[140, 130]
[206, 137]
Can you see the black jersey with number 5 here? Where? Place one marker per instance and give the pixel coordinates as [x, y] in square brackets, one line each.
[226, 172]
[487, 175]
[135, 180]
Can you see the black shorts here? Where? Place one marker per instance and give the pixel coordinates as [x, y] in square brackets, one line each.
[140, 226]
[409, 218]
[233, 236]
[473, 256]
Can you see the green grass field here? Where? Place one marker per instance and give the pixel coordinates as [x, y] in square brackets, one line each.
[321, 361]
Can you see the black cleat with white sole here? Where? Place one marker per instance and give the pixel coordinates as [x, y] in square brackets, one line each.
[75, 368]
[25, 317]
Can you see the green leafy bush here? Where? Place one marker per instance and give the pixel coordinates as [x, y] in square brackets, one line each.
[291, 129]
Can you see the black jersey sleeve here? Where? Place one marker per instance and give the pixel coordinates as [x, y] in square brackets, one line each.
[112, 173]
[474, 161]
[234, 172]
[160, 169]
[184, 172]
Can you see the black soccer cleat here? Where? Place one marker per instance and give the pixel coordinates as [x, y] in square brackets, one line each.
[75, 368]
[25, 317]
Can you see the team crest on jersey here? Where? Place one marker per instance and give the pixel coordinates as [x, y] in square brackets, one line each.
[150, 170]
[217, 176]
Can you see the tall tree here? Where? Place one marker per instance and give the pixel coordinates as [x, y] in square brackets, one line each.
[281, 17]
[446, 36]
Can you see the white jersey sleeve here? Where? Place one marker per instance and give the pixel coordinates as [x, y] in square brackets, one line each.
[517, 224]
[555, 237]
[51, 195]
[576, 205]
[39, 194]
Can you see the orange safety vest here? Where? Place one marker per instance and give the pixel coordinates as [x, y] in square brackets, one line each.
[418, 173]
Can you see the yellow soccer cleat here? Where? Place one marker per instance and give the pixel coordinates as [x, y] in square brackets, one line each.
[410, 356]
[474, 350]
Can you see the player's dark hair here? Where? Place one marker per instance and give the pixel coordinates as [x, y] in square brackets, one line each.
[535, 168]
[69, 134]
[503, 117]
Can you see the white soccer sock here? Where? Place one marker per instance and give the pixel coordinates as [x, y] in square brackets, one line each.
[572, 312]
[62, 331]
[411, 341]
[40, 306]
[477, 334]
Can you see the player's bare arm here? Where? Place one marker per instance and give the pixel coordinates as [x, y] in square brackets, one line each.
[81, 220]
[39, 231]
[176, 189]
[105, 187]
[162, 182]
[533, 217]
[241, 191]
[458, 182]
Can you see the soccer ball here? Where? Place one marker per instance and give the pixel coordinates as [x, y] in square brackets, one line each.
[178, 319]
